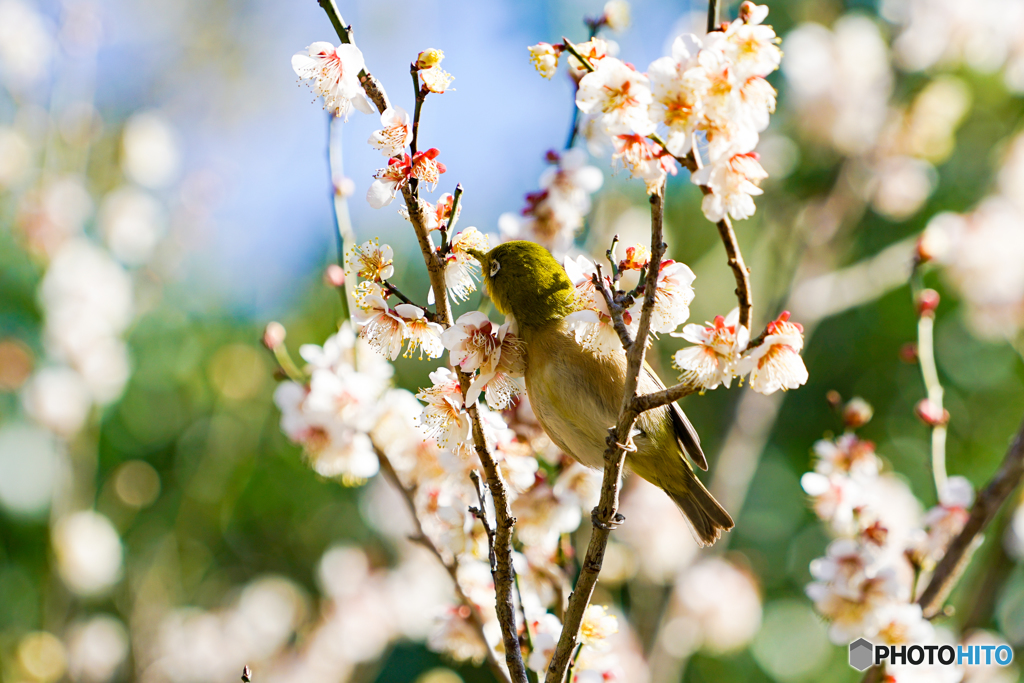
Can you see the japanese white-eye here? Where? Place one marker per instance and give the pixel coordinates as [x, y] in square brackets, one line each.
[576, 393]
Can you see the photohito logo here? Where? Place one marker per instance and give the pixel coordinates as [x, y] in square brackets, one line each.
[864, 653]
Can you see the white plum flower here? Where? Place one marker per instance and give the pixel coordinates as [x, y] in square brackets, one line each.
[751, 47]
[672, 296]
[592, 323]
[848, 454]
[461, 269]
[718, 351]
[473, 342]
[396, 134]
[379, 325]
[644, 159]
[619, 96]
[389, 181]
[776, 363]
[944, 522]
[733, 183]
[372, 261]
[553, 215]
[545, 58]
[420, 332]
[677, 85]
[594, 50]
[573, 179]
[597, 625]
[436, 79]
[335, 75]
[444, 418]
[851, 590]
[545, 630]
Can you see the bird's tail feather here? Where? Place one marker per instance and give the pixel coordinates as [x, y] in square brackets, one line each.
[707, 518]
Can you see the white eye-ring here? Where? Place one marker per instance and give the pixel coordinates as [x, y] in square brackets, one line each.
[495, 267]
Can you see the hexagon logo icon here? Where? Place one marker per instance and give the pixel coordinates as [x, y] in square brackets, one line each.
[862, 654]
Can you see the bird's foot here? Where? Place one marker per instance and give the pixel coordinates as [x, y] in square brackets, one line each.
[628, 447]
[610, 525]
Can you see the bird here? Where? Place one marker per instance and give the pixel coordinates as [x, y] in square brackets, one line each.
[576, 393]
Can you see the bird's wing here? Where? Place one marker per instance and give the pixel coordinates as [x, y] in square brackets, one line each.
[686, 435]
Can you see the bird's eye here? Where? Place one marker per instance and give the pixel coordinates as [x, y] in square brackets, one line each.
[495, 267]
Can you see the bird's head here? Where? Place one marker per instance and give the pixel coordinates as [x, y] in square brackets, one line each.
[524, 280]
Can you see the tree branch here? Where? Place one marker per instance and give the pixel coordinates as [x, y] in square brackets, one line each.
[504, 575]
[475, 618]
[989, 501]
[606, 515]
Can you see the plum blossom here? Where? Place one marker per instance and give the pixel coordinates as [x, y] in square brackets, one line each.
[392, 178]
[616, 15]
[850, 589]
[718, 351]
[592, 322]
[421, 333]
[597, 625]
[475, 344]
[678, 85]
[372, 261]
[544, 57]
[752, 47]
[594, 50]
[443, 417]
[618, 95]
[733, 183]
[461, 270]
[436, 79]
[335, 75]
[389, 181]
[672, 296]
[382, 327]
[644, 159]
[943, 522]
[776, 363]
[396, 134]
[553, 214]
[545, 630]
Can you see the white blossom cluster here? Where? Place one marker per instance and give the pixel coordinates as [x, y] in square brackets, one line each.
[555, 213]
[988, 279]
[987, 35]
[715, 88]
[884, 549]
[841, 86]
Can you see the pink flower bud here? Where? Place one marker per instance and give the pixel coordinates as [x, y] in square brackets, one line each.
[931, 414]
[927, 301]
[857, 413]
[273, 335]
[908, 352]
[834, 399]
[335, 275]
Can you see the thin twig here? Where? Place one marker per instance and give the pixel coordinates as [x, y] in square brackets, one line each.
[933, 387]
[481, 514]
[449, 228]
[712, 15]
[616, 311]
[606, 515]
[475, 618]
[391, 289]
[989, 501]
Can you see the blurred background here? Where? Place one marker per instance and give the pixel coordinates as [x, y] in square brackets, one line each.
[164, 192]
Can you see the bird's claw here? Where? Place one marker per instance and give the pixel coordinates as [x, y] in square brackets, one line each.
[610, 525]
